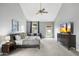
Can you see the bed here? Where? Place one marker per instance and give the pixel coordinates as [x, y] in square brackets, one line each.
[28, 42]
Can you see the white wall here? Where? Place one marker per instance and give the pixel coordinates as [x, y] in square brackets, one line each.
[7, 13]
[69, 13]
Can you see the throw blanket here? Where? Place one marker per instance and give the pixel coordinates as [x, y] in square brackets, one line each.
[32, 40]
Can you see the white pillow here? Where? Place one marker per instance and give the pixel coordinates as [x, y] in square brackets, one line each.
[18, 42]
[31, 37]
[18, 37]
[26, 37]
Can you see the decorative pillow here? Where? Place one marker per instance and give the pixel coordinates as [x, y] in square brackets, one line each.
[23, 35]
[18, 37]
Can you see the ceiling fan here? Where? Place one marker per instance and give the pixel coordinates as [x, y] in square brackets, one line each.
[42, 10]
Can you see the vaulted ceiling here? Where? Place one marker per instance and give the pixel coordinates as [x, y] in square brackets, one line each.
[30, 10]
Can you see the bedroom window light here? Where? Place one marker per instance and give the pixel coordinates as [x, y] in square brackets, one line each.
[22, 28]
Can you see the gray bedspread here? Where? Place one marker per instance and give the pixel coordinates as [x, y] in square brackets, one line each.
[32, 40]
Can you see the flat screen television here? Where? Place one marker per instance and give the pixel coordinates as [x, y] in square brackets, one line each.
[66, 27]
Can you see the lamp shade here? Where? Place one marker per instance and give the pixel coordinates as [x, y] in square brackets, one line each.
[7, 38]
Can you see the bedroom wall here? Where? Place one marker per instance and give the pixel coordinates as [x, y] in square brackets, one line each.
[9, 11]
[69, 12]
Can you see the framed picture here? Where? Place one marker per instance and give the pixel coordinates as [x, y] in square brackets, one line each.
[15, 25]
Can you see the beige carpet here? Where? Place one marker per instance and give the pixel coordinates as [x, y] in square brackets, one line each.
[49, 47]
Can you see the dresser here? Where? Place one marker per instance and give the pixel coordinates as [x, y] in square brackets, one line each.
[67, 40]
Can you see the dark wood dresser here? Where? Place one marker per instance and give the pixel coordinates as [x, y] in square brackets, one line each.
[67, 40]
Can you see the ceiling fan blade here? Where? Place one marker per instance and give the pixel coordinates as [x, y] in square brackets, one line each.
[45, 12]
[37, 13]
